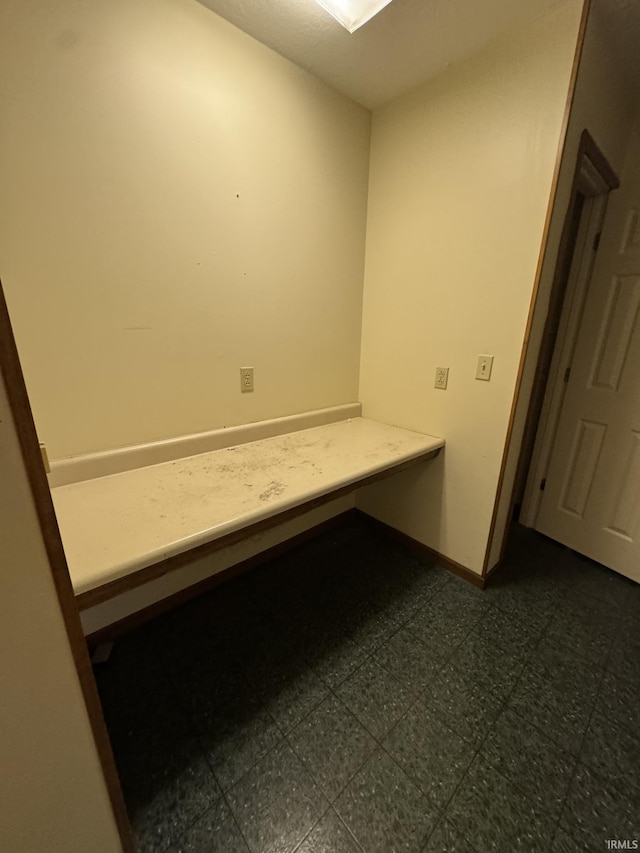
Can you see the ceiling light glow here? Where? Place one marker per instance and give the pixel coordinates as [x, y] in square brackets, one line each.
[353, 13]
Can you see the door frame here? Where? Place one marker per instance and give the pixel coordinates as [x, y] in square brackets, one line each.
[20, 407]
[593, 180]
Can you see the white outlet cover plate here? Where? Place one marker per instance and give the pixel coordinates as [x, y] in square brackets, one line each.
[246, 379]
[442, 378]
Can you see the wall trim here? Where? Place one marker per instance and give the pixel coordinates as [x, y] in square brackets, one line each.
[21, 411]
[536, 286]
[75, 469]
[540, 414]
[423, 551]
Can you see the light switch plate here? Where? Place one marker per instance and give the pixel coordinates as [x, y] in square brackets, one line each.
[484, 367]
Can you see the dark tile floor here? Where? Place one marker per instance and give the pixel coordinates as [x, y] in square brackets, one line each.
[347, 697]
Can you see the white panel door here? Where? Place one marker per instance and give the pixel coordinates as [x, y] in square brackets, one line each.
[591, 500]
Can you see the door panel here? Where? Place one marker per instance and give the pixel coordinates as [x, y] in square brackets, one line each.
[627, 502]
[592, 497]
[618, 325]
[581, 467]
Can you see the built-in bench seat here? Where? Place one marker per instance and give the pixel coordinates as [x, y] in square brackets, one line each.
[122, 530]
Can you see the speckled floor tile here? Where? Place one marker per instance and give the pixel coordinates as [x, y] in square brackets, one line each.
[625, 663]
[135, 669]
[614, 753]
[402, 600]
[595, 812]
[429, 752]
[171, 801]
[486, 665]
[460, 592]
[619, 701]
[138, 698]
[517, 636]
[146, 747]
[602, 584]
[332, 745]
[585, 631]
[333, 656]
[209, 687]
[372, 631]
[566, 667]
[276, 803]
[522, 600]
[288, 687]
[371, 554]
[235, 737]
[215, 832]
[447, 839]
[529, 760]
[470, 710]
[257, 639]
[557, 692]
[628, 614]
[310, 633]
[274, 643]
[409, 570]
[407, 658]
[384, 810]
[488, 809]
[194, 636]
[576, 601]
[624, 660]
[441, 631]
[398, 601]
[375, 697]
[347, 609]
[563, 843]
[329, 836]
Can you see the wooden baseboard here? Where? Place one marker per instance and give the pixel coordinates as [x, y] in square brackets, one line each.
[489, 576]
[135, 620]
[423, 551]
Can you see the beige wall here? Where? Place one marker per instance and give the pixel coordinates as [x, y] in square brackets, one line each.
[52, 794]
[177, 201]
[181, 201]
[604, 105]
[460, 176]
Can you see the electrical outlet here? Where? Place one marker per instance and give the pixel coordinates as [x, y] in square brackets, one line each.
[484, 367]
[442, 377]
[246, 379]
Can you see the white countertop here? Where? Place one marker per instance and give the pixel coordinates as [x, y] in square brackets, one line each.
[114, 525]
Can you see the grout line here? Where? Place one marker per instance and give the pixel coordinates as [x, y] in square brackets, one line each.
[379, 745]
[205, 754]
[584, 736]
[481, 744]
[416, 698]
[419, 698]
[578, 753]
[318, 821]
[351, 835]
